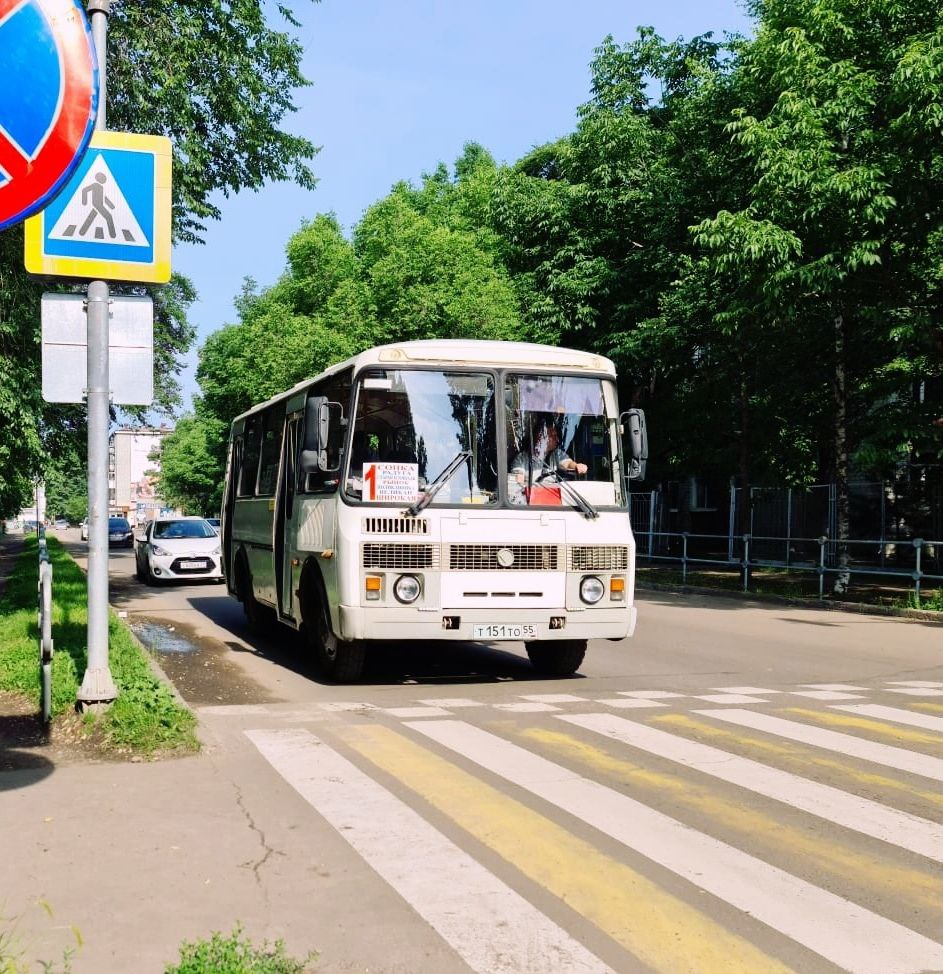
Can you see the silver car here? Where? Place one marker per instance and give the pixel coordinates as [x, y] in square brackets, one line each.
[178, 549]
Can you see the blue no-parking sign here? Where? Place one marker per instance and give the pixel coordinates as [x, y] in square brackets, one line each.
[48, 101]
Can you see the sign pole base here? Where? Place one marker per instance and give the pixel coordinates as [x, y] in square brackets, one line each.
[97, 688]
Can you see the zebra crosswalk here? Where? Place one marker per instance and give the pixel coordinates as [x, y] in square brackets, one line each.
[587, 840]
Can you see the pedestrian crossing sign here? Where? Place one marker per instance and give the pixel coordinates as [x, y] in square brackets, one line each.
[111, 221]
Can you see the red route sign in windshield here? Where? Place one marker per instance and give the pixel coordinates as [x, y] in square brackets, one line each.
[48, 101]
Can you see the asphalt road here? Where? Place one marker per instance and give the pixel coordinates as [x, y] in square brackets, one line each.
[740, 787]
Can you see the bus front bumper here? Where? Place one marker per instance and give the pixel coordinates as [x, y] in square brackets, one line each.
[484, 625]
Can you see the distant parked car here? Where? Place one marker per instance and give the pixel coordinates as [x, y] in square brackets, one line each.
[61, 523]
[83, 528]
[120, 534]
[176, 549]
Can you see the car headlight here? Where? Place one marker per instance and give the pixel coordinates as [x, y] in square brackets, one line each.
[591, 589]
[160, 552]
[407, 589]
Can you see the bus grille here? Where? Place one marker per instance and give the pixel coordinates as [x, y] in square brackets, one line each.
[484, 557]
[409, 556]
[598, 558]
[395, 525]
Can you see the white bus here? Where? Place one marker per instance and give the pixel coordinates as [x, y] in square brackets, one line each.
[438, 490]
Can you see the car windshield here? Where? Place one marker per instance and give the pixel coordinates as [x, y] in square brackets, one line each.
[409, 425]
[167, 530]
[116, 524]
[562, 428]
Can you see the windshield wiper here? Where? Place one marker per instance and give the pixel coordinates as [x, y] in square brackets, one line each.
[579, 501]
[463, 456]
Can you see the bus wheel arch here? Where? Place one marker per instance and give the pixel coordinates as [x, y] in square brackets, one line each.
[340, 660]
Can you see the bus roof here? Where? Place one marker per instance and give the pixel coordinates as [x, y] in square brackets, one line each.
[448, 351]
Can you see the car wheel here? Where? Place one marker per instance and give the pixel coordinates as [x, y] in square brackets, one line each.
[557, 658]
[138, 574]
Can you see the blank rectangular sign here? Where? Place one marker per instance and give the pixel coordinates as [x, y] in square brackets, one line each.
[130, 349]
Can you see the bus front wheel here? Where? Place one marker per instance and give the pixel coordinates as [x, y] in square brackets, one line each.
[340, 660]
[562, 657]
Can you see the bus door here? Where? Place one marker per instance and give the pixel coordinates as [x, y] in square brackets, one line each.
[285, 514]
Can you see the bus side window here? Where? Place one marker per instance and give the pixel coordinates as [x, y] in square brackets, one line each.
[252, 447]
[270, 451]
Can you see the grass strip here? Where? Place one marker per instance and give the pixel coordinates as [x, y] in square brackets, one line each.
[145, 718]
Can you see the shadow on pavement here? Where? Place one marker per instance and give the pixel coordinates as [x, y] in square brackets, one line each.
[21, 735]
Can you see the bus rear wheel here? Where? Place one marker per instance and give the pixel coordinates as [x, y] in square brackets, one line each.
[562, 657]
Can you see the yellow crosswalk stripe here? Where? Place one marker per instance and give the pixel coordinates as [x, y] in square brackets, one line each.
[797, 758]
[652, 924]
[845, 863]
[879, 728]
[933, 708]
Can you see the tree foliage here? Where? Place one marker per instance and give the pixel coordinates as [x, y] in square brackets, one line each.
[219, 79]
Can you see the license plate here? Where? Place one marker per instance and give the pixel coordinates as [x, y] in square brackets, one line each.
[194, 564]
[116, 537]
[504, 631]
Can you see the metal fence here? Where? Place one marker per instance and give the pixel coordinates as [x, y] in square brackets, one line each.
[793, 529]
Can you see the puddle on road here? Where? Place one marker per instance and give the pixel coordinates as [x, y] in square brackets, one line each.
[202, 670]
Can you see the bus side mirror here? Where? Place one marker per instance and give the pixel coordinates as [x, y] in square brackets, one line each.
[636, 441]
[324, 423]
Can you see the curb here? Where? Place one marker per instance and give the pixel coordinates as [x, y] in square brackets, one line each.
[857, 608]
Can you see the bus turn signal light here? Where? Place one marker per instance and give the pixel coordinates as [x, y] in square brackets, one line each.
[617, 588]
[373, 584]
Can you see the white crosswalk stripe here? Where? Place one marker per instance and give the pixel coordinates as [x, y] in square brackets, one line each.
[490, 926]
[884, 754]
[861, 814]
[844, 933]
[815, 903]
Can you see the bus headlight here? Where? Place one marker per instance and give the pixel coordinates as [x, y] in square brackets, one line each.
[591, 589]
[407, 589]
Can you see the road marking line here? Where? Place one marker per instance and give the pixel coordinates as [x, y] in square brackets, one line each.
[846, 934]
[915, 683]
[884, 754]
[746, 690]
[649, 694]
[526, 708]
[480, 917]
[780, 841]
[553, 698]
[859, 814]
[730, 698]
[916, 691]
[624, 704]
[831, 686]
[232, 710]
[416, 711]
[825, 694]
[881, 728]
[895, 714]
[451, 703]
[655, 926]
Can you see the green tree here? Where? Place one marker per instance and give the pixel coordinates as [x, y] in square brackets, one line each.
[219, 80]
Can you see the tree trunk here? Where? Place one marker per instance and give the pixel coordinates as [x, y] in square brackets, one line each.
[843, 578]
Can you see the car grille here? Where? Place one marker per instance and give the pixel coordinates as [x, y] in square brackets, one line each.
[598, 558]
[400, 556]
[484, 557]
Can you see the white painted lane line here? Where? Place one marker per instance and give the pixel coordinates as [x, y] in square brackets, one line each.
[649, 694]
[482, 919]
[747, 690]
[825, 695]
[885, 754]
[233, 710]
[860, 814]
[452, 703]
[895, 715]
[622, 704]
[416, 712]
[526, 708]
[843, 932]
[916, 691]
[915, 683]
[342, 706]
[553, 698]
[831, 686]
[730, 698]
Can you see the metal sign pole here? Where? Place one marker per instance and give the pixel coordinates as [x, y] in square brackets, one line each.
[97, 684]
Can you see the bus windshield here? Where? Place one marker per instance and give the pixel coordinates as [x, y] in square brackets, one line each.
[410, 425]
[562, 429]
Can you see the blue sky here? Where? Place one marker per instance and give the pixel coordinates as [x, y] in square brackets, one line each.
[398, 87]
